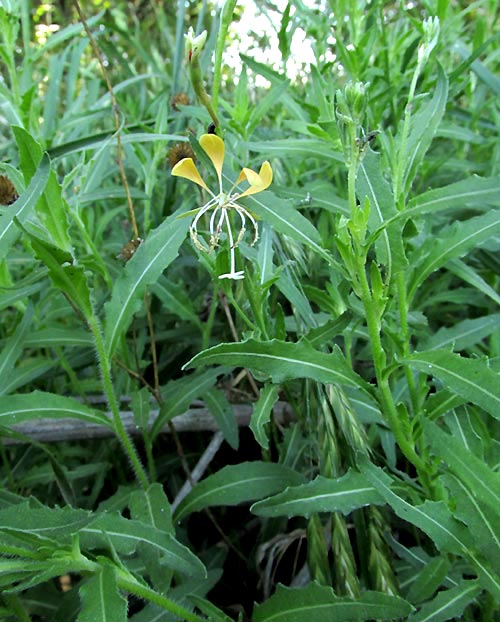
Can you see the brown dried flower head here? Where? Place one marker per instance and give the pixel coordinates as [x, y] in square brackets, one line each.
[178, 152]
[179, 99]
[128, 251]
[8, 192]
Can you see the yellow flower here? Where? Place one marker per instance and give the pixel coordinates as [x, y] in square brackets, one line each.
[222, 202]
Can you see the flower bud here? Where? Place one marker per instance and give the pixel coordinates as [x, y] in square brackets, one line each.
[194, 45]
[431, 35]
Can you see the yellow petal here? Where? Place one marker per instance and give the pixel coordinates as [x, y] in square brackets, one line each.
[187, 168]
[258, 181]
[213, 146]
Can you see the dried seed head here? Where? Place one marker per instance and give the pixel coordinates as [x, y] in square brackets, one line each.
[8, 192]
[129, 249]
[178, 152]
[179, 99]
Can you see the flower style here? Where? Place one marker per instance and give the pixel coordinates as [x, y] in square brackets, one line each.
[222, 202]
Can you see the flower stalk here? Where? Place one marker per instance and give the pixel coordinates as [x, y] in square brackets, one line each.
[194, 47]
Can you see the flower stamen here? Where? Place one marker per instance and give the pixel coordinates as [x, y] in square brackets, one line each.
[221, 203]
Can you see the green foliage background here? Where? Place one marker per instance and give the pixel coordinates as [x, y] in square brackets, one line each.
[368, 314]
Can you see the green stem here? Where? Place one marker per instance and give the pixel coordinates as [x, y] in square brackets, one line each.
[208, 325]
[405, 339]
[96, 255]
[373, 320]
[127, 582]
[107, 383]
[240, 312]
[197, 82]
[379, 360]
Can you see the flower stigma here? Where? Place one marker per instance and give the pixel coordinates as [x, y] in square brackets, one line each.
[221, 203]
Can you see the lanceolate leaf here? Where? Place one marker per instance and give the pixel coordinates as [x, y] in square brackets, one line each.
[448, 604]
[42, 523]
[51, 207]
[151, 258]
[473, 193]
[23, 207]
[285, 218]
[471, 379]
[222, 412]
[319, 603]
[423, 128]
[101, 598]
[344, 494]
[281, 361]
[13, 347]
[453, 242]
[371, 184]
[18, 408]
[237, 483]
[483, 482]
[178, 394]
[300, 147]
[436, 520]
[463, 334]
[126, 535]
[432, 517]
[262, 413]
[481, 520]
[65, 274]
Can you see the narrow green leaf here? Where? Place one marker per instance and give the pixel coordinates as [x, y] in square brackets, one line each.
[371, 183]
[437, 521]
[59, 337]
[261, 414]
[281, 361]
[24, 574]
[431, 517]
[151, 258]
[448, 604]
[101, 599]
[289, 103]
[319, 603]
[271, 98]
[226, 19]
[41, 527]
[50, 207]
[473, 193]
[222, 412]
[152, 507]
[481, 520]
[471, 379]
[64, 273]
[345, 494]
[18, 408]
[285, 218]
[463, 334]
[453, 242]
[23, 207]
[178, 394]
[236, 484]
[175, 298]
[298, 147]
[470, 275]
[428, 580]
[126, 535]
[14, 347]
[208, 609]
[480, 479]
[423, 128]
